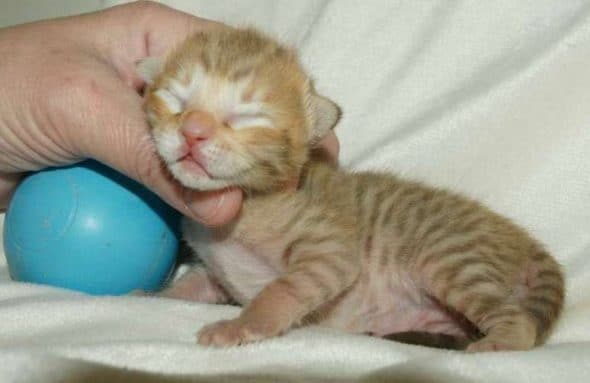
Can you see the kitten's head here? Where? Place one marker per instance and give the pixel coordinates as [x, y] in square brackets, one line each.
[234, 108]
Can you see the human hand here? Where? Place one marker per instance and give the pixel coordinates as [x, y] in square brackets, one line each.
[70, 91]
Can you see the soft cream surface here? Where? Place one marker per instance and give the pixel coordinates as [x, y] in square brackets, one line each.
[489, 98]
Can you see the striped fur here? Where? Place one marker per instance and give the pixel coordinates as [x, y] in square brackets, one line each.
[363, 252]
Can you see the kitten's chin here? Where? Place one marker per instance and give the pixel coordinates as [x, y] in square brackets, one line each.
[193, 176]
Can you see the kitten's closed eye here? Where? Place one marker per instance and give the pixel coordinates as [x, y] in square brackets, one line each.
[248, 115]
[174, 104]
[241, 121]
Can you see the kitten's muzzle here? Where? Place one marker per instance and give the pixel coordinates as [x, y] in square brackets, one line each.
[197, 127]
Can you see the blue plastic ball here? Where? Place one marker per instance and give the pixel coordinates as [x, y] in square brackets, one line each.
[87, 227]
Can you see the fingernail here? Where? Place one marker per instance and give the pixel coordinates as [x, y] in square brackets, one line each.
[203, 205]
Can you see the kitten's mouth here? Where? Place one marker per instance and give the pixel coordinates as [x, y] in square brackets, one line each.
[194, 175]
[192, 166]
[190, 161]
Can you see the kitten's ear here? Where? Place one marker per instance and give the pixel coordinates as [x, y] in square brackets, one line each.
[325, 116]
[149, 68]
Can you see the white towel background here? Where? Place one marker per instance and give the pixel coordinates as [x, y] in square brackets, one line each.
[488, 98]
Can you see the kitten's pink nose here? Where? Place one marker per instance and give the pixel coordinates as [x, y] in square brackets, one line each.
[197, 127]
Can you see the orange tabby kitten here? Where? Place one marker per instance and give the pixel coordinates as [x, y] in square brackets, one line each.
[363, 252]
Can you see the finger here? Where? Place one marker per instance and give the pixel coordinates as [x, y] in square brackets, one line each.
[331, 146]
[156, 30]
[214, 208]
[327, 150]
[165, 27]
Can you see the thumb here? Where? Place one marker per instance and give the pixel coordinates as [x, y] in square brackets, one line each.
[136, 157]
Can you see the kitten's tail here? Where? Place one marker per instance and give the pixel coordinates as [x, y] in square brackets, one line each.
[543, 293]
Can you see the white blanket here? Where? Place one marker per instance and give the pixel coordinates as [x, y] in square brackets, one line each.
[489, 98]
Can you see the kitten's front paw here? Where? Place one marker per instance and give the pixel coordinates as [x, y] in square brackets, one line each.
[235, 332]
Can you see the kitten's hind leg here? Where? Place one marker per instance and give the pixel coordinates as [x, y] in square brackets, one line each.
[310, 282]
[196, 285]
[482, 292]
[507, 328]
[528, 314]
